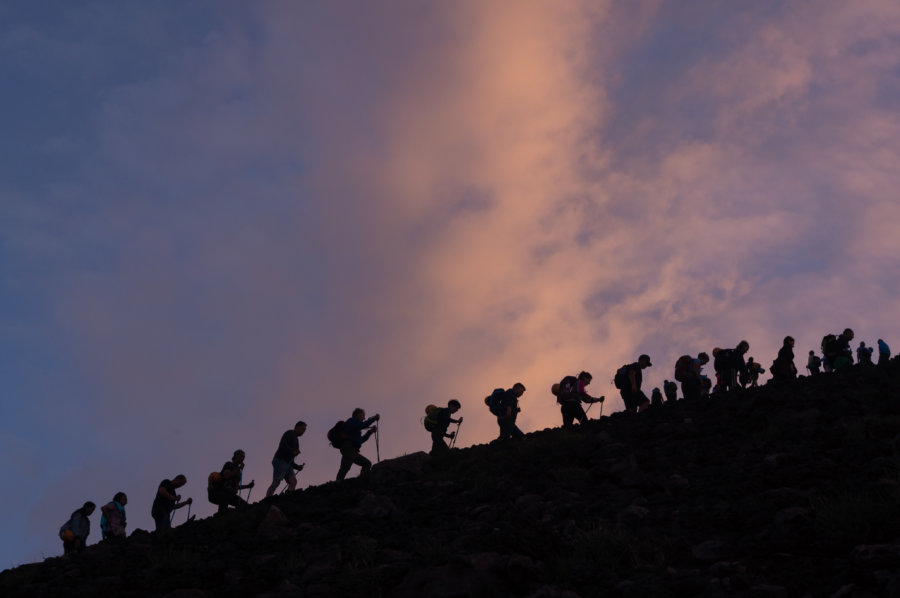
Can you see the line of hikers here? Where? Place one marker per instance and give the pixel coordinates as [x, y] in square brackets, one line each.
[224, 486]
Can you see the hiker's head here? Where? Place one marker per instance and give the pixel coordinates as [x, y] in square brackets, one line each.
[811, 352]
[121, 498]
[644, 361]
[359, 414]
[238, 456]
[743, 347]
[862, 343]
[585, 377]
[88, 508]
[789, 340]
[848, 333]
[179, 480]
[519, 389]
[300, 428]
[750, 360]
[703, 357]
[454, 405]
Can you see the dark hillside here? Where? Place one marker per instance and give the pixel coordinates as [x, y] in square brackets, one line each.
[777, 491]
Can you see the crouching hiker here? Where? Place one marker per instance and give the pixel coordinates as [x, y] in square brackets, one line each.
[283, 466]
[75, 531]
[112, 518]
[571, 394]
[224, 486]
[628, 380]
[348, 437]
[166, 501]
[437, 420]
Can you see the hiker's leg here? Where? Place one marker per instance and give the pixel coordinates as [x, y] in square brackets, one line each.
[347, 456]
[364, 463]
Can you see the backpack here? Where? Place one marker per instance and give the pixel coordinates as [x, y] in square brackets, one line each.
[723, 360]
[682, 367]
[336, 434]
[621, 379]
[493, 401]
[431, 413]
[567, 386]
[214, 480]
[829, 345]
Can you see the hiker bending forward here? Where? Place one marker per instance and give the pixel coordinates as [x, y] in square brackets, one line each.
[75, 531]
[353, 441]
[227, 492]
[166, 501]
[573, 392]
[439, 431]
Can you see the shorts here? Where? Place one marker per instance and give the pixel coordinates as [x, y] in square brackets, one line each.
[282, 470]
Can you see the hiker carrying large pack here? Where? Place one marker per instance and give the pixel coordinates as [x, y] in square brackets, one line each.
[836, 350]
[729, 364]
[75, 531]
[352, 441]
[225, 485]
[688, 372]
[505, 405]
[783, 368]
[571, 393]
[628, 380]
[437, 420]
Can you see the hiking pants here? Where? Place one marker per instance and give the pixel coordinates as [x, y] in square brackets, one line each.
[690, 388]
[883, 358]
[350, 456]
[571, 411]
[438, 446]
[161, 518]
[227, 499]
[508, 428]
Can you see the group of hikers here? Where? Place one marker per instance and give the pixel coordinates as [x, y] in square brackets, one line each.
[224, 487]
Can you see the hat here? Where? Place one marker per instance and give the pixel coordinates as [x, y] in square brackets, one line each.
[647, 357]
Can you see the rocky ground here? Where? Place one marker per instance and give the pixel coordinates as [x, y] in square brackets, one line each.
[787, 490]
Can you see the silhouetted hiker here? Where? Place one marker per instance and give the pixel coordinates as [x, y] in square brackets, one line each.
[836, 350]
[688, 372]
[283, 466]
[884, 352]
[628, 380]
[351, 442]
[571, 393]
[166, 501]
[783, 368]
[864, 353]
[729, 364]
[505, 405]
[112, 519]
[224, 486]
[437, 422]
[813, 363]
[656, 397]
[671, 391]
[75, 531]
[753, 372]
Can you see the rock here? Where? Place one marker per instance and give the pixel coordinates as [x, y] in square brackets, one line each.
[374, 506]
[709, 551]
[274, 525]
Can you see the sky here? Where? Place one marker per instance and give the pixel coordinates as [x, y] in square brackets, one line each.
[219, 218]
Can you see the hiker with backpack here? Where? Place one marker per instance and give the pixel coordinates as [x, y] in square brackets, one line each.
[884, 352]
[729, 365]
[688, 372]
[505, 405]
[351, 441]
[628, 380]
[225, 485]
[836, 350]
[283, 465]
[753, 372]
[166, 501]
[570, 394]
[75, 531]
[112, 518]
[813, 363]
[864, 353]
[437, 420]
[783, 368]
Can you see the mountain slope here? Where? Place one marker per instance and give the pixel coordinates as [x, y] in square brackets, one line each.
[787, 490]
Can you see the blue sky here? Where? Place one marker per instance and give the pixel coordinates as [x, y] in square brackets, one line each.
[219, 218]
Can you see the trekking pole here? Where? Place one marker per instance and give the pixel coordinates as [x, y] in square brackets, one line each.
[455, 435]
[189, 510]
[377, 447]
[249, 490]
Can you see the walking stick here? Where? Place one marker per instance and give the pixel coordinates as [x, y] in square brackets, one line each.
[189, 510]
[249, 490]
[377, 447]
[455, 435]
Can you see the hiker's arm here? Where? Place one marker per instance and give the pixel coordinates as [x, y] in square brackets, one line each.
[165, 494]
[632, 377]
[187, 502]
